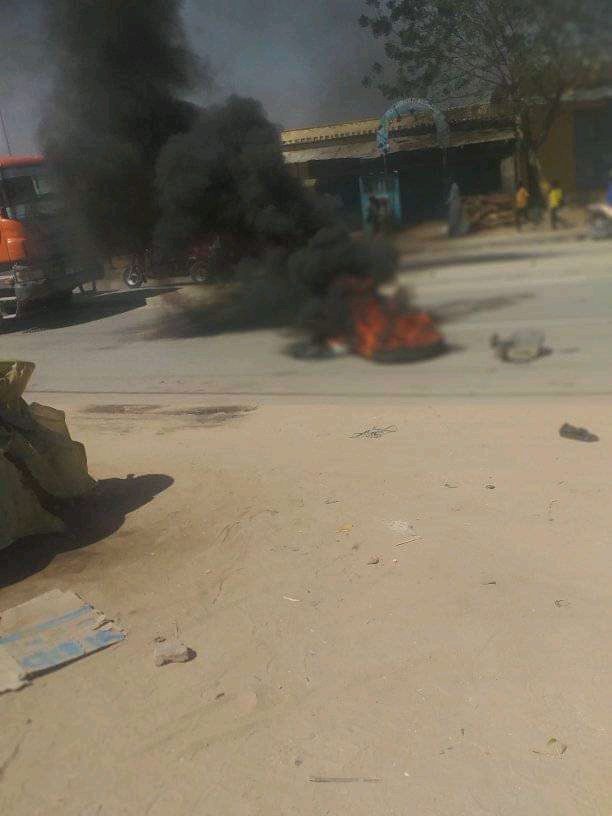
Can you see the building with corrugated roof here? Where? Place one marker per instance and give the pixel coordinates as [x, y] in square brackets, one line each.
[482, 153]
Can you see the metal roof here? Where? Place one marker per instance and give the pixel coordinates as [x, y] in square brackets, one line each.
[367, 127]
[475, 112]
[369, 150]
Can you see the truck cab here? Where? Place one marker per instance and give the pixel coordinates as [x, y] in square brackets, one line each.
[33, 265]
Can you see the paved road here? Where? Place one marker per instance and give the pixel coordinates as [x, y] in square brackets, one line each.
[563, 287]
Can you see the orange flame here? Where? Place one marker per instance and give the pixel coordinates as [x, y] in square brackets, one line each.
[379, 326]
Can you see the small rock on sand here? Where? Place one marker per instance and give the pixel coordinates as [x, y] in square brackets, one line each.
[172, 651]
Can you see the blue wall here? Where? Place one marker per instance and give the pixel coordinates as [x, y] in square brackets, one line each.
[593, 137]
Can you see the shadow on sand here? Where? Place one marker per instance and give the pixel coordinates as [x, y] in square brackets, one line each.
[87, 521]
[85, 309]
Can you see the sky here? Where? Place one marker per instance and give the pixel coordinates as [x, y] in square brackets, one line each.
[303, 59]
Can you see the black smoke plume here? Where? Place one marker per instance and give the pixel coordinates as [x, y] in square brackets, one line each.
[122, 68]
[227, 175]
[139, 166]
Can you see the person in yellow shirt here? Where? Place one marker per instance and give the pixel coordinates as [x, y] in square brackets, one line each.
[521, 202]
[555, 202]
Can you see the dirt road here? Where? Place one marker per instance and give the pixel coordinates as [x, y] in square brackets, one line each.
[416, 623]
[477, 287]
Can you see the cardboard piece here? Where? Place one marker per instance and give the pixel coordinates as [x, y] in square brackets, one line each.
[47, 632]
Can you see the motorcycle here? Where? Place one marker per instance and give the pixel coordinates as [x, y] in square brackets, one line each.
[600, 220]
[196, 265]
[202, 259]
[136, 273]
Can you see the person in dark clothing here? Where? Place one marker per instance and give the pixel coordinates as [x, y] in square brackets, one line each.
[374, 214]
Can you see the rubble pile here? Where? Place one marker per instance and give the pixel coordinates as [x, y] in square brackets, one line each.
[486, 211]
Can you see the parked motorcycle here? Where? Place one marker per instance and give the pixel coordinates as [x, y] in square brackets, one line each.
[196, 266]
[202, 259]
[137, 271]
[600, 220]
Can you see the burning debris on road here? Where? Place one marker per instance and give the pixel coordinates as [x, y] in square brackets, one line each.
[381, 328]
[141, 168]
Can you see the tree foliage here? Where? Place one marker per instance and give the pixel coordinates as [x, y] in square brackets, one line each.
[522, 53]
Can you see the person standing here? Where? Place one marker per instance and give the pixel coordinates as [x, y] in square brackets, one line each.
[555, 202]
[455, 211]
[521, 204]
[374, 215]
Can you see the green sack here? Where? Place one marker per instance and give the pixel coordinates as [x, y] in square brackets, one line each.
[37, 457]
[21, 514]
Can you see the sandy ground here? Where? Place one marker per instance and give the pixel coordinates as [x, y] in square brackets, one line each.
[428, 610]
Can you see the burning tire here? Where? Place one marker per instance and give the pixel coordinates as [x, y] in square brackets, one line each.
[377, 328]
[410, 355]
[385, 333]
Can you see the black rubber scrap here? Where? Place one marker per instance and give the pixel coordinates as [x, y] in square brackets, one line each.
[568, 431]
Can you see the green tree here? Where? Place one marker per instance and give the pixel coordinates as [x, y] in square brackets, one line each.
[523, 54]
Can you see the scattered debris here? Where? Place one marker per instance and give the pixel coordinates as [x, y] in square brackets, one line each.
[523, 346]
[327, 500]
[171, 651]
[554, 748]
[568, 431]
[298, 761]
[561, 603]
[401, 527]
[375, 433]
[47, 632]
[451, 485]
[341, 779]
[374, 560]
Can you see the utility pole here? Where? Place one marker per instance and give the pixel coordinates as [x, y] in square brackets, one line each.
[5, 133]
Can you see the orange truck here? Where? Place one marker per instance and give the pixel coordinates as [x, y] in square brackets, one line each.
[34, 270]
